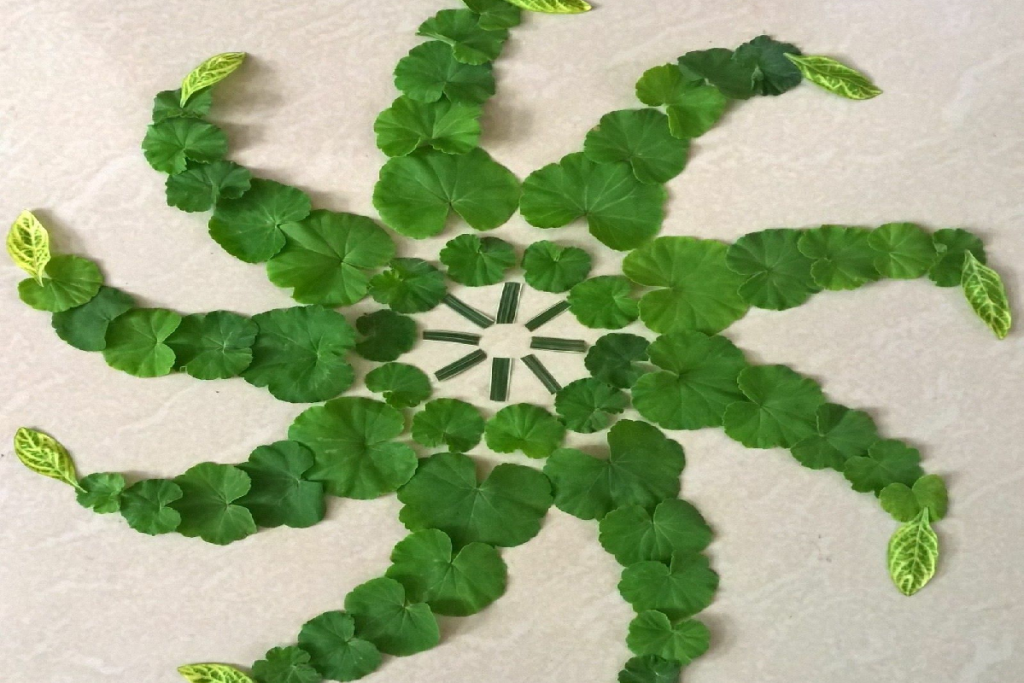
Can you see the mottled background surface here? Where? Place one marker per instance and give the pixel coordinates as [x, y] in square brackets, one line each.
[805, 595]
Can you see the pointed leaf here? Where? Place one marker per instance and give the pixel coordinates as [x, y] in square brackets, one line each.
[913, 555]
[209, 73]
[44, 455]
[28, 244]
[987, 296]
[835, 76]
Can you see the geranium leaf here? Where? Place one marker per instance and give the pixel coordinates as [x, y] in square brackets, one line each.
[167, 105]
[692, 108]
[461, 28]
[200, 186]
[85, 326]
[299, 354]
[285, 665]
[44, 455]
[211, 72]
[505, 509]
[652, 633]
[698, 290]
[352, 440]
[986, 294]
[136, 342]
[733, 77]
[449, 127]
[208, 505]
[403, 386]
[172, 143]
[640, 138]
[904, 250]
[777, 275]
[101, 492]
[477, 261]
[621, 212]
[387, 335]
[887, 462]
[913, 555]
[650, 669]
[604, 302]
[632, 534]
[430, 72]
[679, 589]
[780, 409]
[146, 506]
[835, 77]
[550, 267]
[905, 503]
[495, 14]
[384, 616]
[334, 650]
[616, 358]
[251, 227]
[774, 72]
[587, 405]
[409, 285]
[553, 6]
[448, 422]
[28, 244]
[212, 673]
[280, 493]
[213, 345]
[842, 258]
[417, 193]
[524, 427]
[840, 434]
[68, 281]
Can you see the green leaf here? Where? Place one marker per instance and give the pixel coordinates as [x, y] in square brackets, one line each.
[913, 555]
[387, 619]
[477, 261]
[213, 345]
[780, 410]
[604, 302]
[352, 440]
[325, 256]
[403, 386]
[387, 335]
[733, 77]
[68, 281]
[212, 673]
[524, 427]
[136, 342]
[101, 492]
[905, 503]
[430, 72]
[471, 43]
[285, 665]
[28, 244]
[632, 534]
[621, 212]
[652, 633]
[200, 187]
[505, 509]
[417, 193]
[146, 506]
[679, 589]
[888, 462]
[587, 405]
[251, 227]
[449, 127]
[85, 326]
[640, 138]
[334, 650]
[44, 455]
[280, 494]
[211, 72]
[172, 143]
[904, 250]
[650, 669]
[299, 354]
[840, 434]
[167, 105]
[410, 285]
[450, 423]
[698, 383]
[835, 77]
[952, 245]
[774, 72]
[693, 109]
[453, 585]
[617, 358]
[842, 257]
[495, 15]
[777, 275]
[550, 267]
[698, 289]
[642, 468]
[553, 6]
[209, 505]
[987, 296]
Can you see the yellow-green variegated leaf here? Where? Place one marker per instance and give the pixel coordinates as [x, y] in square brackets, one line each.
[44, 455]
[985, 292]
[212, 673]
[553, 6]
[28, 243]
[913, 554]
[835, 76]
[212, 71]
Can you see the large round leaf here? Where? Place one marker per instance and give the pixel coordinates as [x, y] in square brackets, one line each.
[903, 250]
[251, 227]
[477, 261]
[524, 427]
[840, 434]
[409, 285]
[777, 275]
[617, 359]
[170, 144]
[68, 281]
[430, 71]
[333, 648]
[640, 138]
[280, 493]
[209, 507]
[385, 617]
[550, 267]
[841, 255]
[136, 342]
[85, 326]
[632, 534]
[461, 28]
[213, 345]
[449, 127]
[604, 302]
[448, 422]
[780, 407]
[679, 589]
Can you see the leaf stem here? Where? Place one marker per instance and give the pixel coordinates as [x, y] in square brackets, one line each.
[546, 378]
[501, 378]
[461, 365]
[468, 312]
[547, 316]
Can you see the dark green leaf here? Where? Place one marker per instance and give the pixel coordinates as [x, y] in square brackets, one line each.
[524, 427]
[146, 506]
[101, 492]
[170, 144]
[734, 78]
[285, 665]
[604, 302]
[616, 358]
[774, 73]
[778, 275]
[652, 633]
[905, 503]
[650, 669]
[334, 650]
[85, 326]
[679, 589]
[251, 227]
[632, 534]
[640, 138]
[448, 422]
[952, 245]
[68, 281]
[461, 28]
[841, 434]
[587, 405]
[904, 250]
[410, 285]
[387, 619]
[780, 409]
[495, 14]
[692, 108]
[449, 127]
[167, 105]
[213, 345]
[477, 261]
[430, 72]
[136, 342]
[550, 267]
[403, 386]
[280, 493]
[888, 462]
[387, 335]
[842, 257]
[202, 185]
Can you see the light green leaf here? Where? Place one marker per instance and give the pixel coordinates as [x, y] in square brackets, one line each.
[887, 462]
[835, 77]
[905, 251]
[640, 138]
[409, 285]
[28, 244]
[385, 617]
[650, 669]
[842, 257]
[430, 72]
[213, 345]
[285, 665]
[101, 492]
[588, 405]
[692, 108]
[137, 342]
[44, 455]
[987, 296]
[524, 427]
[212, 673]
[448, 422]
[208, 505]
[386, 335]
[604, 302]
[780, 410]
[146, 506]
[251, 227]
[478, 261]
[280, 493]
[905, 503]
[461, 28]
[652, 633]
[167, 105]
[778, 275]
[679, 589]
[209, 73]
[172, 143]
[202, 185]
[913, 554]
[553, 6]
[403, 386]
[632, 534]
[334, 650]
[550, 267]
[449, 127]
[68, 281]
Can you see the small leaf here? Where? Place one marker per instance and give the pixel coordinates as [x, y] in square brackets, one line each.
[835, 76]
[913, 555]
[209, 73]
[68, 281]
[212, 673]
[44, 455]
[987, 296]
[28, 243]
[553, 6]
[145, 505]
[101, 492]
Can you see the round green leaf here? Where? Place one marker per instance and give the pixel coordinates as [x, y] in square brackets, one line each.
[353, 446]
[699, 291]
[85, 326]
[213, 345]
[146, 506]
[616, 359]
[471, 43]
[841, 434]
[773, 73]
[777, 275]
[587, 405]
[101, 492]
[632, 534]
[410, 285]
[652, 633]
[505, 509]
[334, 650]
[285, 665]
[403, 386]
[280, 494]
[904, 250]
[952, 245]
[692, 108]
[299, 354]
[324, 257]
[417, 193]
[888, 462]
[384, 616]
[650, 669]
[495, 14]
[449, 127]
[679, 589]
[387, 335]
[905, 503]
[453, 585]
[780, 409]
[450, 423]
[604, 302]
[734, 78]
[136, 342]
[621, 212]
[524, 427]
[170, 144]
[640, 138]
[430, 72]
[68, 281]
[208, 506]
[251, 227]
[841, 255]
[550, 267]
[477, 261]
[202, 185]
[167, 105]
